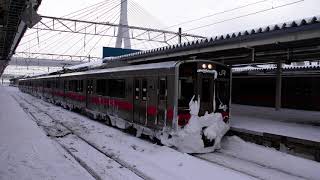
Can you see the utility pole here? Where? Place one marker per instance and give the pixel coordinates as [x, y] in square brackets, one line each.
[278, 85]
[180, 36]
[123, 30]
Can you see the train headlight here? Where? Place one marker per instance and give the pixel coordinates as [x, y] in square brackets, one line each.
[210, 66]
[204, 66]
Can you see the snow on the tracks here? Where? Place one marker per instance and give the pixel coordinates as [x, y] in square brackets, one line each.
[105, 167]
[94, 161]
[156, 162]
[26, 152]
[263, 162]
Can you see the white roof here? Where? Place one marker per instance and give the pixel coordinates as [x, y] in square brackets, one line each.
[161, 65]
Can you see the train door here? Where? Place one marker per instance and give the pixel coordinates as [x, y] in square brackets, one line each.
[162, 101]
[140, 100]
[206, 91]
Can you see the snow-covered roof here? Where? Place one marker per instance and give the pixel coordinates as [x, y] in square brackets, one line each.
[272, 67]
[226, 38]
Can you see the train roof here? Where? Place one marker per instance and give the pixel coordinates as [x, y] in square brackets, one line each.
[161, 65]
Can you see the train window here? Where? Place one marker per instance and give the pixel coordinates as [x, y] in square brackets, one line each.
[186, 91]
[70, 83]
[48, 84]
[116, 88]
[144, 89]
[205, 94]
[80, 86]
[136, 89]
[65, 87]
[73, 86]
[162, 89]
[101, 87]
[222, 91]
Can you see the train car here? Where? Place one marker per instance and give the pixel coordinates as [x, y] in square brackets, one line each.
[152, 98]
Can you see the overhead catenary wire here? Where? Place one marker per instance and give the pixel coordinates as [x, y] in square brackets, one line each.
[218, 13]
[245, 15]
[106, 30]
[136, 10]
[79, 12]
[116, 15]
[249, 14]
[215, 14]
[68, 35]
[92, 35]
[50, 32]
[59, 39]
[108, 10]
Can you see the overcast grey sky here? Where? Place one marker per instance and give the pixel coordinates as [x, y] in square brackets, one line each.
[170, 12]
[161, 14]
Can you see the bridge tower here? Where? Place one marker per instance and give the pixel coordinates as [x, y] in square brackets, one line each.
[123, 30]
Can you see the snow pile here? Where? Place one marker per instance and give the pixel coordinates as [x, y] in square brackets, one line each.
[190, 138]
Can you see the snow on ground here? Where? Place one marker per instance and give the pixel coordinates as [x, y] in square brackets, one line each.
[94, 161]
[284, 115]
[156, 162]
[263, 162]
[105, 167]
[235, 160]
[25, 151]
[299, 131]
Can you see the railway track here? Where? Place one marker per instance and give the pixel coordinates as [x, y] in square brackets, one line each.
[253, 169]
[249, 168]
[65, 130]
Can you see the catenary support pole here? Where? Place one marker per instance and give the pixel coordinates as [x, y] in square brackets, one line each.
[180, 36]
[278, 85]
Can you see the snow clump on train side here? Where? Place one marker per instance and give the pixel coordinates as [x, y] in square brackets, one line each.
[189, 139]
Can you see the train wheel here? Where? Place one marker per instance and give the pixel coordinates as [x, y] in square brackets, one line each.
[107, 120]
[131, 130]
[317, 155]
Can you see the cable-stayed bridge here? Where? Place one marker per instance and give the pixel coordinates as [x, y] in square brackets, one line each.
[79, 36]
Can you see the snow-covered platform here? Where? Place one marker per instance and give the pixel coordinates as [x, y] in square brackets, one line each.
[26, 152]
[286, 122]
[292, 131]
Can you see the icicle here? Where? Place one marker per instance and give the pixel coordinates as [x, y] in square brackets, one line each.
[214, 97]
[38, 35]
[84, 39]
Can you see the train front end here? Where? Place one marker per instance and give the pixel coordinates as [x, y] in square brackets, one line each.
[202, 106]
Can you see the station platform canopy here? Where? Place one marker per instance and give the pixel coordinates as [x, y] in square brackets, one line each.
[287, 42]
[15, 16]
